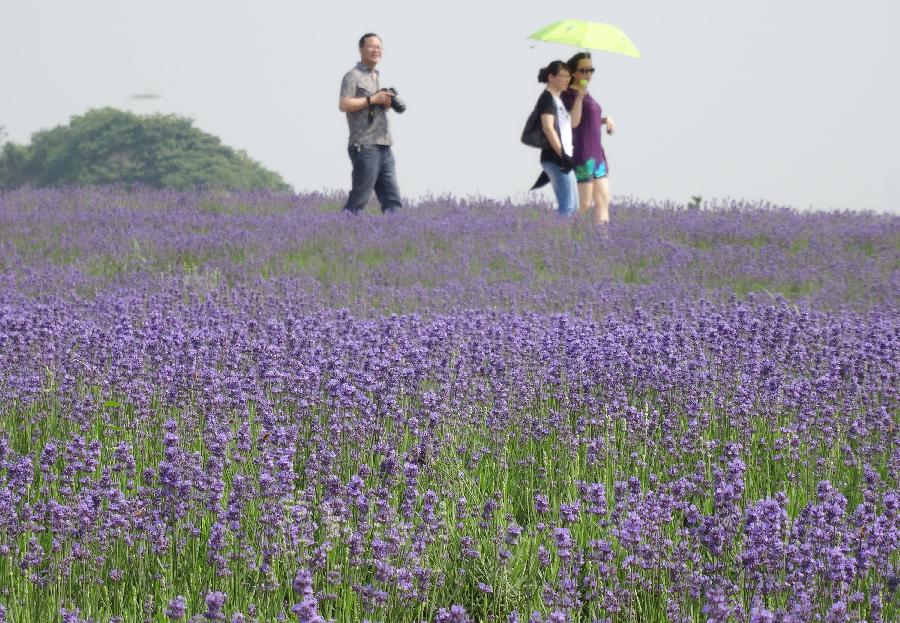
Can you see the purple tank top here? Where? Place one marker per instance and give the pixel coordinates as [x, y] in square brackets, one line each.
[586, 137]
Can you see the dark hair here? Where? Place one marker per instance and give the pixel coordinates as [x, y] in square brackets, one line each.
[551, 70]
[573, 62]
[362, 40]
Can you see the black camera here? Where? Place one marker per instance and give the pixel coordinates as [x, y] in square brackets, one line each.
[396, 103]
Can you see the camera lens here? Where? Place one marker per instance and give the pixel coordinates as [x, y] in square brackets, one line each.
[396, 103]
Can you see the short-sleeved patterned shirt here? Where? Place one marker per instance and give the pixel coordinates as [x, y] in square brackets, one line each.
[361, 82]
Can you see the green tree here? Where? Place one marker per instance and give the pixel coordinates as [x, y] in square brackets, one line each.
[109, 146]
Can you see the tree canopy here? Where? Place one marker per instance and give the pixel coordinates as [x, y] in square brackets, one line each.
[108, 146]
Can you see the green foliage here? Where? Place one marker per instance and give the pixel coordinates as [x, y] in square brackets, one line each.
[108, 146]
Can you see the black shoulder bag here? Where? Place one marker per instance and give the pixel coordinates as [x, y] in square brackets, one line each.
[533, 134]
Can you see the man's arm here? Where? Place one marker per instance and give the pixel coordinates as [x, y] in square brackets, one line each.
[353, 104]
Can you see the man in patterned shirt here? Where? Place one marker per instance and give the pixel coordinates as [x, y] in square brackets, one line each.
[370, 142]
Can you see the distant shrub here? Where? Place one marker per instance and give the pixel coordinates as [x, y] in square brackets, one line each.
[108, 146]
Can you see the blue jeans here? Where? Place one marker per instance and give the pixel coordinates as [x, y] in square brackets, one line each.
[373, 169]
[564, 186]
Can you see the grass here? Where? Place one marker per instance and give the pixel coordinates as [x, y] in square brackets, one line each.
[790, 290]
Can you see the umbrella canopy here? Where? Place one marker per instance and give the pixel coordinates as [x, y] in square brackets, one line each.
[588, 35]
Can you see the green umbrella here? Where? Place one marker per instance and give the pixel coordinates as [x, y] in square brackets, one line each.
[588, 35]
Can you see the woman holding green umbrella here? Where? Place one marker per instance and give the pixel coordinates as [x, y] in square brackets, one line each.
[591, 167]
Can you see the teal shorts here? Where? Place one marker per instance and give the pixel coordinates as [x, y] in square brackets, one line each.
[590, 170]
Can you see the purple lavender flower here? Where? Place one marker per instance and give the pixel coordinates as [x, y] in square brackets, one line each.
[73, 616]
[632, 529]
[456, 614]
[513, 532]
[759, 614]
[717, 608]
[307, 611]
[176, 608]
[215, 604]
[838, 613]
[569, 512]
[303, 583]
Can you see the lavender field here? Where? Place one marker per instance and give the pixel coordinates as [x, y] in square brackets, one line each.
[253, 407]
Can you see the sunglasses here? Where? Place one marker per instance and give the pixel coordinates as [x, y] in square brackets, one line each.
[586, 70]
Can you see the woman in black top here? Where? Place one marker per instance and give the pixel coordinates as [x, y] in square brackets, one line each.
[557, 123]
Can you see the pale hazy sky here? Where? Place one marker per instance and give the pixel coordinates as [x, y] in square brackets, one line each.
[790, 101]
